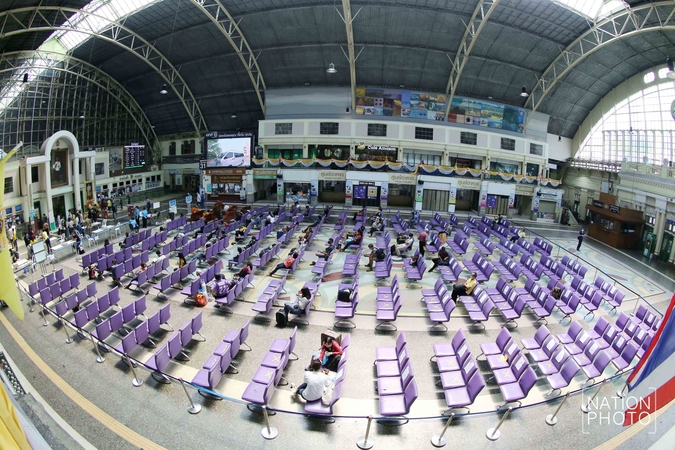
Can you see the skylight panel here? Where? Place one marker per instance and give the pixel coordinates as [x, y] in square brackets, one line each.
[593, 10]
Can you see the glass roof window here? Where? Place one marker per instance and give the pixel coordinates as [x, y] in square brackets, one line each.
[592, 10]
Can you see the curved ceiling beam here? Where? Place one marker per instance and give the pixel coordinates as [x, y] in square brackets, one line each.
[625, 23]
[32, 19]
[480, 16]
[215, 11]
[351, 56]
[12, 61]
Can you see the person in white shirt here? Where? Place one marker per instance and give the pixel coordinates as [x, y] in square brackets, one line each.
[315, 383]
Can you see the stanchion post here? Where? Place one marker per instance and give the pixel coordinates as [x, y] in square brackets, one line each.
[493, 433]
[551, 419]
[620, 393]
[440, 440]
[586, 408]
[268, 432]
[192, 409]
[44, 318]
[136, 381]
[65, 330]
[99, 358]
[363, 442]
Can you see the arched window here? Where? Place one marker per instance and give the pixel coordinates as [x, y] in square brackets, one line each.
[637, 129]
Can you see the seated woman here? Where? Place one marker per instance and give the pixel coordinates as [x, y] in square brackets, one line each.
[329, 354]
[354, 240]
[246, 270]
[442, 260]
[181, 260]
[143, 268]
[298, 306]
[378, 225]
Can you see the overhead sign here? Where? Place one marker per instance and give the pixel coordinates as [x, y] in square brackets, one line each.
[402, 178]
[598, 204]
[332, 175]
[264, 174]
[202, 164]
[615, 209]
[523, 189]
[473, 185]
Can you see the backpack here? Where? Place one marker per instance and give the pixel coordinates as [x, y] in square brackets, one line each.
[345, 295]
[379, 254]
[282, 319]
[200, 299]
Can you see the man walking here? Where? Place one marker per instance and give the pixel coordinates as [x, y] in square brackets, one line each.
[580, 238]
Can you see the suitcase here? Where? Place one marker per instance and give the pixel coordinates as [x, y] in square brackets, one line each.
[282, 320]
[330, 333]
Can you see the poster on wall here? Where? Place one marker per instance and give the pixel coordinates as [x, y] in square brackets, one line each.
[280, 187]
[314, 189]
[453, 195]
[59, 167]
[535, 203]
[179, 180]
[512, 200]
[88, 192]
[400, 103]
[384, 191]
[419, 193]
[558, 206]
[481, 113]
[491, 201]
[208, 187]
[348, 188]
[372, 192]
[360, 191]
[483, 199]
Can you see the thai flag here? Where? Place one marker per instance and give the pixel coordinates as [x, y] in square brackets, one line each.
[653, 379]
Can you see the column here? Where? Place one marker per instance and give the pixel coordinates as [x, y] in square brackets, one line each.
[48, 193]
[28, 194]
[672, 254]
[659, 227]
[75, 167]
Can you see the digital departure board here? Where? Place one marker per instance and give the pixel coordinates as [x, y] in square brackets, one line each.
[134, 156]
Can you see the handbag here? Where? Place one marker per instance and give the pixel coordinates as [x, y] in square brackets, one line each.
[327, 396]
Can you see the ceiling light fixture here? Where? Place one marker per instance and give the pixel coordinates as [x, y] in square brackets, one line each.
[331, 68]
[82, 116]
[671, 71]
[523, 92]
[233, 116]
[164, 91]
[25, 77]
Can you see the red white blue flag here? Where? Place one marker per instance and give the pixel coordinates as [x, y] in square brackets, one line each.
[652, 382]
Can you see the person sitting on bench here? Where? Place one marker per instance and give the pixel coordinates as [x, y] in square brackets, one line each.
[324, 254]
[442, 260]
[298, 306]
[464, 289]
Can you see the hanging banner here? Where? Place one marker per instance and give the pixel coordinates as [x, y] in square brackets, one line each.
[558, 206]
[280, 187]
[453, 195]
[384, 191]
[314, 189]
[512, 200]
[535, 203]
[483, 198]
[491, 201]
[88, 192]
[348, 188]
[207, 184]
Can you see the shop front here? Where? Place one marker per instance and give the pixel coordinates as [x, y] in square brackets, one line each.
[468, 194]
[328, 152]
[265, 184]
[523, 200]
[332, 186]
[226, 185]
[298, 183]
[500, 198]
[546, 205]
[400, 190]
[383, 153]
[435, 195]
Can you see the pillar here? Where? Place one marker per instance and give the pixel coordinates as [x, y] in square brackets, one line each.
[48, 193]
[28, 193]
[659, 227]
[672, 255]
[75, 167]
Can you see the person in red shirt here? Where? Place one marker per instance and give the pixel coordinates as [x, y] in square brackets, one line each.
[286, 264]
[246, 270]
[330, 354]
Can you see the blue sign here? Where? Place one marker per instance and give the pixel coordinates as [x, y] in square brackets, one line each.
[188, 199]
[172, 202]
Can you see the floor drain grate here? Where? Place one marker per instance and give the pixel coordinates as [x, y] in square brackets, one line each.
[10, 375]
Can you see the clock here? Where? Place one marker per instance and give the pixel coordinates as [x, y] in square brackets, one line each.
[672, 109]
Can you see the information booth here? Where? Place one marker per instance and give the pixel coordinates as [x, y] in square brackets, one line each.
[615, 226]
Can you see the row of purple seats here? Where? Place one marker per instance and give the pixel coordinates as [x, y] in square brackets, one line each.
[217, 247]
[507, 301]
[433, 243]
[538, 299]
[524, 247]
[471, 222]
[459, 244]
[72, 301]
[480, 266]
[345, 311]
[242, 257]
[220, 361]
[383, 268]
[464, 232]
[500, 231]
[266, 257]
[321, 264]
[478, 305]
[573, 267]
[507, 247]
[508, 268]
[288, 236]
[56, 287]
[127, 267]
[647, 319]
[610, 294]
[175, 223]
[341, 219]
[439, 304]
[436, 220]
[401, 227]
[174, 348]
[414, 273]
[482, 231]
[319, 408]
[193, 245]
[592, 356]
[192, 226]
[173, 280]
[191, 290]
[396, 218]
[264, 231]
[460, 378]
[632, 331]
[264, 304]
[261, 388]
[530, 268]
[93, 257]
[383, 240]
[351, 265]
[543, 247]
[388, 305]
[396, 385]
[117, 321]
[552, 268]
[224, 303]
[450, 272]
[148, 275]
[485, 246]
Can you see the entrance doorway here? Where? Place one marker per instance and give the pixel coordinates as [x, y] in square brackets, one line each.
[59, 204]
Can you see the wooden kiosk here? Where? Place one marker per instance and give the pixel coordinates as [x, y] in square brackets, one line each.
[615, 226]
